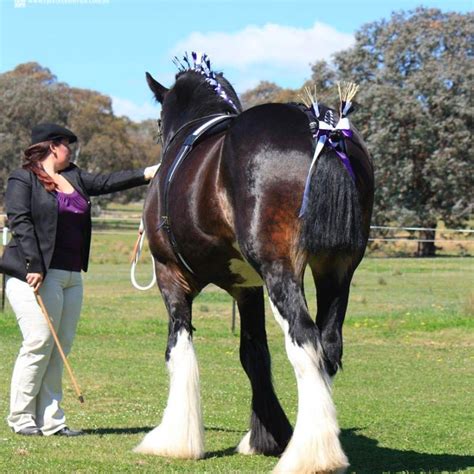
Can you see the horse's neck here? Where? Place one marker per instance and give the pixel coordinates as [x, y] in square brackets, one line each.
[193, 121]
[203, 114]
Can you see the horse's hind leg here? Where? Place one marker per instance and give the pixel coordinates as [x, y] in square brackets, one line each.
[315, 445]
[332, 277]
[181, 432]
[270, 429]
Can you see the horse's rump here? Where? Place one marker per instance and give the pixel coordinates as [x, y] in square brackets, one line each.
[267, 155]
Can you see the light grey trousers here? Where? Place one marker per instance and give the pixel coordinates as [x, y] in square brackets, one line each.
[36, 388]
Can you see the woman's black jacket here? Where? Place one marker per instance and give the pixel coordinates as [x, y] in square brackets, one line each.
[33, 215]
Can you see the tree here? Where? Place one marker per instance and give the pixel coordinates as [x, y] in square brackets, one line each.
[415, 74]
[266, 92]
[28, 94]
[31, 94]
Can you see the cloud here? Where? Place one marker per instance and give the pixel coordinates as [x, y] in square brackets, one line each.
[270, 49]
[134, 111]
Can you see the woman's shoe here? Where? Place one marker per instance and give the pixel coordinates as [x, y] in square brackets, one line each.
[30, 431]
[68, 432]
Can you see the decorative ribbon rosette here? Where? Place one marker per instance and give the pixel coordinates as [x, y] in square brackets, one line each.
[202, 64]
[330, 133]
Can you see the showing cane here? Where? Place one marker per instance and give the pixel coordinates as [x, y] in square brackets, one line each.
[4, 282]
[4, 243]
[60, 349]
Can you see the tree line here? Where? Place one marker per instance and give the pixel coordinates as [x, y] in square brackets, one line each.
[414, 110]
[31, 94]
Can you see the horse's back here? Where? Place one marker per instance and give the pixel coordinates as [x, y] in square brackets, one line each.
[282, 127]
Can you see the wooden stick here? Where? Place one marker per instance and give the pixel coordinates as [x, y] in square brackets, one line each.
[135, 247]
[3, 291]
[60, 349]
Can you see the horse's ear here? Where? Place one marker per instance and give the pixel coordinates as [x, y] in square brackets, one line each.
[156, 88]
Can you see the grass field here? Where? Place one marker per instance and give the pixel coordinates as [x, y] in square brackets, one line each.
[404, 398]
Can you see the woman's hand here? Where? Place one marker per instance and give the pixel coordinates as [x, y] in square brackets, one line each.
[150, 172]
[34, 280]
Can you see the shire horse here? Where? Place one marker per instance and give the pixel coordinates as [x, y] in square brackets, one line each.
[229, 214]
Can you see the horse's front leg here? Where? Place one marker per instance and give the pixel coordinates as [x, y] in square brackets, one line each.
[315, 446]
[181, 432]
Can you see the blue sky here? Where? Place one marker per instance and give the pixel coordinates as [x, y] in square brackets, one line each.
[107, 45]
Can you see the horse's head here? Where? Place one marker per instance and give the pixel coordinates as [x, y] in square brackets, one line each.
[197, 92]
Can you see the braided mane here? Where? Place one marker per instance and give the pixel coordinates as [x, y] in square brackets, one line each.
[196, 72]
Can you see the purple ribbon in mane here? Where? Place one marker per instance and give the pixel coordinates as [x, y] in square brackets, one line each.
[331, 136]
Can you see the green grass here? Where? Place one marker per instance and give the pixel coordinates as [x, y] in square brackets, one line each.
[404, 398]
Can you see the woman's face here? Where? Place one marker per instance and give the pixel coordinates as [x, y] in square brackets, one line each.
[62, 153]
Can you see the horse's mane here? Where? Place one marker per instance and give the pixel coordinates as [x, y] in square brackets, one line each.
[193, 89]
[204, 90]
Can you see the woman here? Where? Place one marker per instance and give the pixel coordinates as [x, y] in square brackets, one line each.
[48, 209]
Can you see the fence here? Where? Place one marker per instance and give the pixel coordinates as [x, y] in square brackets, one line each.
[380, 282]
[388, 240]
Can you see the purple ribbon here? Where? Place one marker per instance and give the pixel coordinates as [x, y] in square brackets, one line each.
[337, 147]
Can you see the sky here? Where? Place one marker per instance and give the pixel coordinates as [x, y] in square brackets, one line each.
[107, 45]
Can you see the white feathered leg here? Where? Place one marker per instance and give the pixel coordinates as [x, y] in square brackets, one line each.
[181, 432]
[314, 446]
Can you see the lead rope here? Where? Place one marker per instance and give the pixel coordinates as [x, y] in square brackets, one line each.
[137, 250]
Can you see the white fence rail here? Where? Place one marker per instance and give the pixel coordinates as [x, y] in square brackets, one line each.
[131, 222]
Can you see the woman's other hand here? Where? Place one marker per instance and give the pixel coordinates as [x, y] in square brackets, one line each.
[34, 280]
[150, 172]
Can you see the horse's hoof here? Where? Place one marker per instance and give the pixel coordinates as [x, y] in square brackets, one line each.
[244, 445]
[159, 442]
[297, 462]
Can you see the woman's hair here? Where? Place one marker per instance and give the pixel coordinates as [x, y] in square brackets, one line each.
[32, 160]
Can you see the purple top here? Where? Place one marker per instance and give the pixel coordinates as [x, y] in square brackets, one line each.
[72, 219]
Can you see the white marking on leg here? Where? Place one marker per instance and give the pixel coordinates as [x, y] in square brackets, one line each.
[244, 445]
[181, 432]
[314, 446]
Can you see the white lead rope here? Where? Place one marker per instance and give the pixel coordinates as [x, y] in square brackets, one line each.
[136, 257]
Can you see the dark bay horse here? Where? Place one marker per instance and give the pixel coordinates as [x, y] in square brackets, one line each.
[229, 215]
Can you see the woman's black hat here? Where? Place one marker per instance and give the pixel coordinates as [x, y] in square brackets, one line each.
[50, 131]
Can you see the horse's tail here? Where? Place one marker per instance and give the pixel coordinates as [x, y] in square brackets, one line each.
[333, 217]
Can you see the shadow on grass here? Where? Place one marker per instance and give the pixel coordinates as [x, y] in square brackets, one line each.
[366, 456]
[144, 429]
[220, 453]
[113, 431]
[224, 430]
